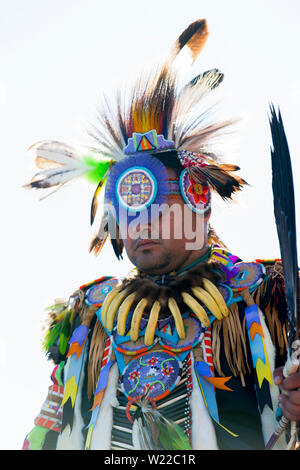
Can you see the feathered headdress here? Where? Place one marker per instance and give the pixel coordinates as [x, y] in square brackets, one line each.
[157, 115]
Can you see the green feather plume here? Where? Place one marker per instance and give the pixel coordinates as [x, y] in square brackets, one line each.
[171, 436]
[156, 432]
[59, 329]
[98, 168]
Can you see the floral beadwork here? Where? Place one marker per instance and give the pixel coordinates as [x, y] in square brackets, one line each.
[134, 375]
[196, 195]
[198, 191]
[167, 371]
[154, 376]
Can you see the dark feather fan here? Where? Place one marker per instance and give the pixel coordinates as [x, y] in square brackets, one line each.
[284, 210]
[219, 177]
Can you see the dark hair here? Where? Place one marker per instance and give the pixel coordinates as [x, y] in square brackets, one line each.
[170, 160]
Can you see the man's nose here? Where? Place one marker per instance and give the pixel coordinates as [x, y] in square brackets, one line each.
[142, 229]
[145, 229]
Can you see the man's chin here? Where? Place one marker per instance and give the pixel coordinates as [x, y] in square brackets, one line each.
[150, 261]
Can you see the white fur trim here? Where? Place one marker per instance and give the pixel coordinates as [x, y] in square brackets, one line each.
[102, 432]
[268, 419]
[135, 437]
[203, 432]
[73, 440]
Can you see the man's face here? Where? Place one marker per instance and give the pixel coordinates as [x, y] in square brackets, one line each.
[165, 243]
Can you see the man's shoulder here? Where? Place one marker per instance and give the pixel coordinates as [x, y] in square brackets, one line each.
[246, 274]
[263, 278]
[65, 315]
[95, 292]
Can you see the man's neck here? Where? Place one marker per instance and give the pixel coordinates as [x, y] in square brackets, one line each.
[195, 257]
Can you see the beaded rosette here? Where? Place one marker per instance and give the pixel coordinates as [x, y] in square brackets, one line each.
[154, 375]
[195, 194]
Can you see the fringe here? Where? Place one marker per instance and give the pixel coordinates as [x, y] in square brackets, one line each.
[198, 353]
[95, 356]
[216, 345]
[234, 334]
[270, 296]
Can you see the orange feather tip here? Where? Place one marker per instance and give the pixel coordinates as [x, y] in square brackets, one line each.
[194, 37]
[75, 349]
[98, 399]
[254, 329]
[219, 382]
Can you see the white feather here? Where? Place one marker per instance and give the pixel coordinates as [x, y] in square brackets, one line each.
[73, 440]
[59, 158]
[59, 147]
[268, 419]
[102, 432]
[203, 432]
[56, 176]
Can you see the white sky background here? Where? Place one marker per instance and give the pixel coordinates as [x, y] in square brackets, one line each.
[56, 57]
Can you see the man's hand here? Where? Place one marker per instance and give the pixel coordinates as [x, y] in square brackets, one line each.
[290, 403]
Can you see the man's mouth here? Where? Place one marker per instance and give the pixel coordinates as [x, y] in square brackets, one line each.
[145, 243]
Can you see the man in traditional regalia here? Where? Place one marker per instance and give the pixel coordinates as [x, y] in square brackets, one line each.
[187, 351]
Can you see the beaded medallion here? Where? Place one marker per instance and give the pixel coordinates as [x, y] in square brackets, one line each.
[96, 294]
[194, 334]
[136, 189]
[249, 275]
[131, 348]
[153, 373]
[226, 293]
[175, 407]
[197, 196]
